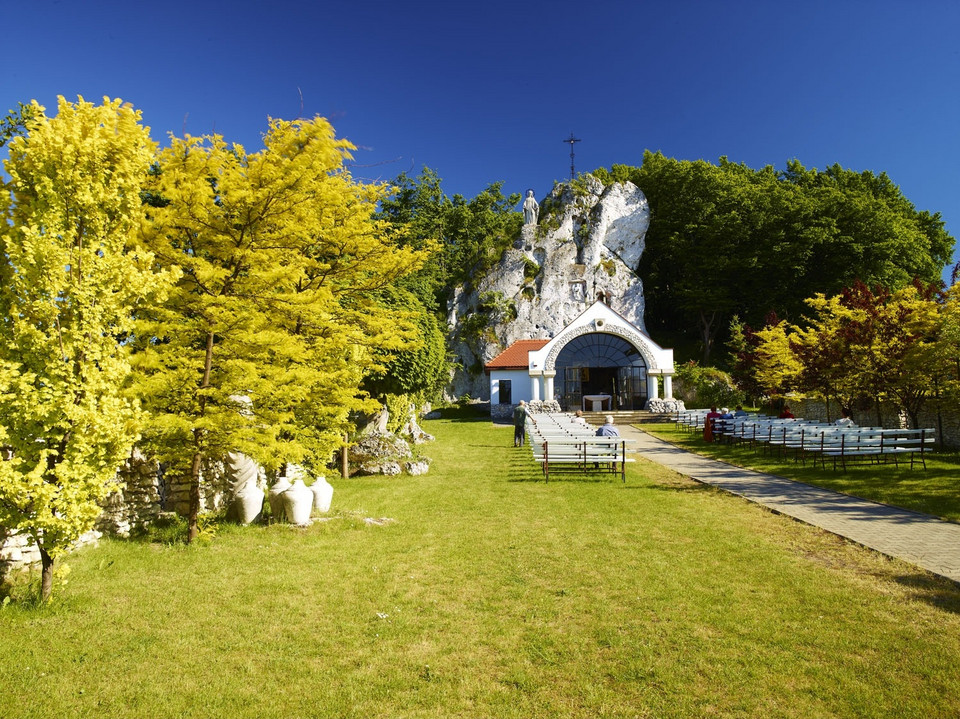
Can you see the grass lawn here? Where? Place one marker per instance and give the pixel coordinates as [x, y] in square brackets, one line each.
[492, 594]
[935, 490]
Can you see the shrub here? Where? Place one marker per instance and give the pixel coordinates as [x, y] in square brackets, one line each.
[706, 387]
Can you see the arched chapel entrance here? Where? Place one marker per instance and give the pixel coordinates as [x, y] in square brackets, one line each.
[600, 370]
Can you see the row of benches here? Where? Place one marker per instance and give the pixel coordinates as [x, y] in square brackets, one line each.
[565, 442]
[842, 445]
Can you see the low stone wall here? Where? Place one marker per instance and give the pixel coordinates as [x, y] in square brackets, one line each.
[502, 411]
[145, 492]
[214, 489]
[535, 406]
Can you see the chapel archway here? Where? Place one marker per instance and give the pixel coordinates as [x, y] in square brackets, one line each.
[601, 370]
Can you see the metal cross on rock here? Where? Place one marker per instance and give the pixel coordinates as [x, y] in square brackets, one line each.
[572, 140]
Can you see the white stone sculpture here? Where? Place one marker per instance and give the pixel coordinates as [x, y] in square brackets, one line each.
[247, 494]
[531, 208]
[297, 503]
[322, 495]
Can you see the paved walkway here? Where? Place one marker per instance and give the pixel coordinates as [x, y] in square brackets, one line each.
[917, 538]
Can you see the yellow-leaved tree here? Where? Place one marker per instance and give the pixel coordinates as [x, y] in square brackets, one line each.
[70, 277]
[776, 367]
[263, 345]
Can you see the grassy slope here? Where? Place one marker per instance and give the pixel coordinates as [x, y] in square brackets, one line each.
[493, 594]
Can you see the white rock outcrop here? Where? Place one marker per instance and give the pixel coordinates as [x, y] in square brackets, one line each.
[588, 242]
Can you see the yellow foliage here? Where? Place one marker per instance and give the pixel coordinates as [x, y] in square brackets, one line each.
[776, 366]
[282, 261]
[70, 275]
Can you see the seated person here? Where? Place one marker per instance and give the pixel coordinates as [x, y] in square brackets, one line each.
[608, 430]
[845, 420]
[578, 418]
[740, 411]
[786, 413]
[712, 416]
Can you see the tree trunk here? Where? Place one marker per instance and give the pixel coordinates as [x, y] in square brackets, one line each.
[939, 428]
[193, 514]
[46, 575]
[193, 528]
[707, 332]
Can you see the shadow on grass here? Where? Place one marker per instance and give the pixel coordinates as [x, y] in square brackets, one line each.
[171, 530]
[931, 491]
[466, 413]
[566, 477]
[524, 469]
[938, 592]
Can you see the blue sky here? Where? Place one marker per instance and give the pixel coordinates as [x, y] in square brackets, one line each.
[488, 91]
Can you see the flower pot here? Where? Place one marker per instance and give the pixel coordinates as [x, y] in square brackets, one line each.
[322, 495]
[297, 503]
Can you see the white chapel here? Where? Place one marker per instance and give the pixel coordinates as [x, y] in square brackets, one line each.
[600, 361]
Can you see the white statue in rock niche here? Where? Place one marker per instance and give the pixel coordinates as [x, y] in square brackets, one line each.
[531, 208]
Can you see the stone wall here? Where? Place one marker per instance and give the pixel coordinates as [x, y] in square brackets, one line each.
[146, 491]
[214, 489]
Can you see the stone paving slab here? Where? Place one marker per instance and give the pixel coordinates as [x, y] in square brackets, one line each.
[920, 539]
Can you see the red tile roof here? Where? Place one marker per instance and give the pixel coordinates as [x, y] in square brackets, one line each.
[515, 356]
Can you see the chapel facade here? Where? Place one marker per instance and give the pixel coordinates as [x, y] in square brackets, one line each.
[598, 362]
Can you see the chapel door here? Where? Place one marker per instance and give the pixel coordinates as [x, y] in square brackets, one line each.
[572, 389]
[633, 388]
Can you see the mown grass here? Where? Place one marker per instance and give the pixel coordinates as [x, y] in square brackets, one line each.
[934, 490]
[492, 594]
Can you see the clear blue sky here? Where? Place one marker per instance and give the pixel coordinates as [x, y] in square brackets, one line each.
[487, 91]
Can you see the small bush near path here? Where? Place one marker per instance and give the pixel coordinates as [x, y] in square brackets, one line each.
[934, 490]
[492, 594]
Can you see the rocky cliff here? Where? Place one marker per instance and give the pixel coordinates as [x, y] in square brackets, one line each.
[587, 243]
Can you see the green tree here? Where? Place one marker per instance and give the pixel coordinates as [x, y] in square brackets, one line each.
[706, 386]
[15, 122]
[471, 234]
[70, 276]
[419, 369]
[418, 209]
[264, 343]
[860, 343]
[891, 338]
[728, 240]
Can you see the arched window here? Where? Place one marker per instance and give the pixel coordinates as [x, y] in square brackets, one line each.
[601, 364]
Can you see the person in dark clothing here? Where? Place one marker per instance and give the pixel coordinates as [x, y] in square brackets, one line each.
[519, 423]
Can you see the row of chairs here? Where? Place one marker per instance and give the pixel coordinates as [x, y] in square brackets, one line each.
[842, 445]
[564, 441]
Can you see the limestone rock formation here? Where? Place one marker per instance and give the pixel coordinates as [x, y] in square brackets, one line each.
[380, 451]
[587, 243]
